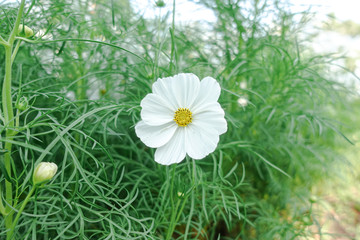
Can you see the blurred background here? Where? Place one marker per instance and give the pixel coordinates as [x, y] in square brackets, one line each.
[331, 28]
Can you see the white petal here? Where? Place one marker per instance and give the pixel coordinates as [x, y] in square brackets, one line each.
[155, 136]
[155, 110]
[180, 91]
[210, 116]
[173, 151]
[209, 92]
[200, 141]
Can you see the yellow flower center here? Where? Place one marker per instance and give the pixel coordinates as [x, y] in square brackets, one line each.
[183, 117]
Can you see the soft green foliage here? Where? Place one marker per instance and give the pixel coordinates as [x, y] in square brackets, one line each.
[337, 203]
[84, 75]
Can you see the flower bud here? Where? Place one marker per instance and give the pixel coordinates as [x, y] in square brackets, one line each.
[22, 104]
[243, 85]
[180, 194]
[243, 102]
[160, 3]
[45, 171]
[102, 92]
[25, 31]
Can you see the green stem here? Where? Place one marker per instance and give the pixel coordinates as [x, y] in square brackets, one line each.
[175, 211]
[2, 208]
[172, 185]
[173, 221]
[17, 117]
[173, 208]
[6, 90]
[194, 185]
[2, 40]
[173, 16]
[9, 123]
[81, 84]
[17, 23]
[7, 105]
[12, 229]
[16, 49]
[172, 33]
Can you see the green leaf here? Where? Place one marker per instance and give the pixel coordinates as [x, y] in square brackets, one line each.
[5, 173]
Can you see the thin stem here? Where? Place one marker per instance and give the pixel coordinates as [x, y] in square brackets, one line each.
[16, 49]
[173, 208]
[173, 16]
[176, 212]
[157, 53]
[81, 84]
[9, 123]
[2, 208]
[172, 186]
[6, 96]
[17, 23]
[17, 116]
[172, 32]
[2, 40]
[172, 221]
[83, 40]
[12, 229]
[182, 208]
[192, 199]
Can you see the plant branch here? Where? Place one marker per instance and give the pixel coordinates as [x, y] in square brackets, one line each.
[17, 23]
[12, 229]
[7, 105]
[16, 49]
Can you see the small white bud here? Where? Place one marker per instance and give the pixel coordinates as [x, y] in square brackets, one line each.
[180, 194]
[45, 171]
[243, 85]
[243, 102]
[25, 31]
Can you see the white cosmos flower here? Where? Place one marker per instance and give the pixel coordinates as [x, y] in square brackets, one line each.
[182, 116]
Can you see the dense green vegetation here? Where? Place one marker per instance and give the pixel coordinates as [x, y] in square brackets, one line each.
[84, 74]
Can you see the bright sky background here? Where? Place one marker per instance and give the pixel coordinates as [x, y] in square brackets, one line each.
[343, 9]
[187, 10]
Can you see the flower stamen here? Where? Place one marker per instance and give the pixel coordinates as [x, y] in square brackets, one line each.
[183, 116]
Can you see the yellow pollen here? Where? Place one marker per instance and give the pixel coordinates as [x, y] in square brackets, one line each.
[183, 117]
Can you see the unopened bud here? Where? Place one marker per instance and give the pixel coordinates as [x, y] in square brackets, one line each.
[22, 104]
[160, 3]
[243, 85]
[243, 102]
[102, 92]
[180, 194]
[25, 31]
[45, 171]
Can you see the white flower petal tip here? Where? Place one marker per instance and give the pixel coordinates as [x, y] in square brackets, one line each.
[182, 116]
